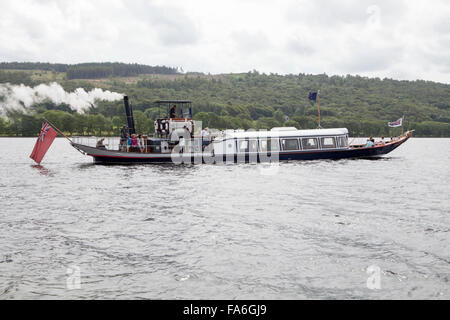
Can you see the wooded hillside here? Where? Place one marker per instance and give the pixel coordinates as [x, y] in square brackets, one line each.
[247, 100]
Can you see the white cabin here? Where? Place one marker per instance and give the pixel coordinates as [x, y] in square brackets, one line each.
[281, 140]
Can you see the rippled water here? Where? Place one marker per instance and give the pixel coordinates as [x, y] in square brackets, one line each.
[309, 230]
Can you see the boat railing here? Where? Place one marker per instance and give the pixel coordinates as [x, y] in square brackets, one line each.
[111, 143]
[361, 141]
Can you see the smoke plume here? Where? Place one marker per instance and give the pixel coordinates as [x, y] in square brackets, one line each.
[21, 97]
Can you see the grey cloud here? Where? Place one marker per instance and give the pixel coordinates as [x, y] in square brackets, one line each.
[170, 34]
[356, 12]
[365, 59]
[442, 26]
[172, 25]
[409, 39]
[439, 59]
[250, 42]
[299, 46]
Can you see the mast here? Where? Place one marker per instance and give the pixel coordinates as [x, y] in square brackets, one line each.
[403, 121]
[57, 130]
[318, 104]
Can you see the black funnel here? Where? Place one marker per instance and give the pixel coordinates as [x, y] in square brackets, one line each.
[130, 118]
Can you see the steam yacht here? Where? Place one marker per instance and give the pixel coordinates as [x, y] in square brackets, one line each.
[178, 139]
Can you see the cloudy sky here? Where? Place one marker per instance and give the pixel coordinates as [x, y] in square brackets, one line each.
[386, 38]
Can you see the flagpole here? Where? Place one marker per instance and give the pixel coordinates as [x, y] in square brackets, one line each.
[403, 120]
[318, 97]
[57, 130]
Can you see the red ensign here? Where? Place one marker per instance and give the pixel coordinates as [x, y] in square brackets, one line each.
[43, 142]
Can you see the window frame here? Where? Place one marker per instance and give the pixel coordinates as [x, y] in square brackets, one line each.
[346, 139]
[272, 142]
[249, 144]
[238, 142]
[285, 139]
[260, 140]
[275, 141]
[335, 146]
[304, 145]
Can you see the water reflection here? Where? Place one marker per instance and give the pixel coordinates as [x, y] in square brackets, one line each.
[86, 165]
[42, 170]
[378, 158]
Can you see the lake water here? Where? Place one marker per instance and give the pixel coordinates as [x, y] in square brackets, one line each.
[305, 230]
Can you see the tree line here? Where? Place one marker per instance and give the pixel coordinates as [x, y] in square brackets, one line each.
[258, 101]
[91, 70]
[96, 124]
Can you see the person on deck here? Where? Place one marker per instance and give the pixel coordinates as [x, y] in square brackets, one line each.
[128, 142]
[172, 113]
[100, 144]
[205, 133]
[187, 132]
[173, 136]
[141, 144]
[369, 143]
[205, 137]
[134, 143]
[123, 138]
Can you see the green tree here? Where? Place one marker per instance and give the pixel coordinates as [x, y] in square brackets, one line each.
[117, 123]
[80, 123]
[3, 126]
[140, 122]
[68, 123]
[279, 116]
[99, 124]
[30, 125]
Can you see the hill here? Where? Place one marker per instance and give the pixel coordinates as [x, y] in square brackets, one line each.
[246, 100]
[91, 70]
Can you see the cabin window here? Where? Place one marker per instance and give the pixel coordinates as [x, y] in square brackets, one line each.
[243, 145]
[310, 143]
[343, 142]
[328, 142]
[263, 145]
[274, 145]
[269, 145]
[253, 145]
[290, 144]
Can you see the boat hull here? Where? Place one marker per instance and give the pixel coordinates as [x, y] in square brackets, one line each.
[116, 157]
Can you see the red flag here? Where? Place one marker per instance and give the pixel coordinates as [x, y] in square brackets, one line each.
[45, 140]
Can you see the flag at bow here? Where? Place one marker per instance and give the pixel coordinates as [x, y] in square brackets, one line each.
[312, 96]
[43, 143]
[397, 123]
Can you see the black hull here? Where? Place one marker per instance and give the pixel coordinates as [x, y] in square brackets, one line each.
[283, 156]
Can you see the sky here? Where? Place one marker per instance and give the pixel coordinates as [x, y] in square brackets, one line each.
[397, 39]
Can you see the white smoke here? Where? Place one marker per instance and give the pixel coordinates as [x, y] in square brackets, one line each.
[21, 97]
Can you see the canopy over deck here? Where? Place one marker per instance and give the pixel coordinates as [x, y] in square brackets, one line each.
[290, 132]
[173, 101]
[181, 107]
